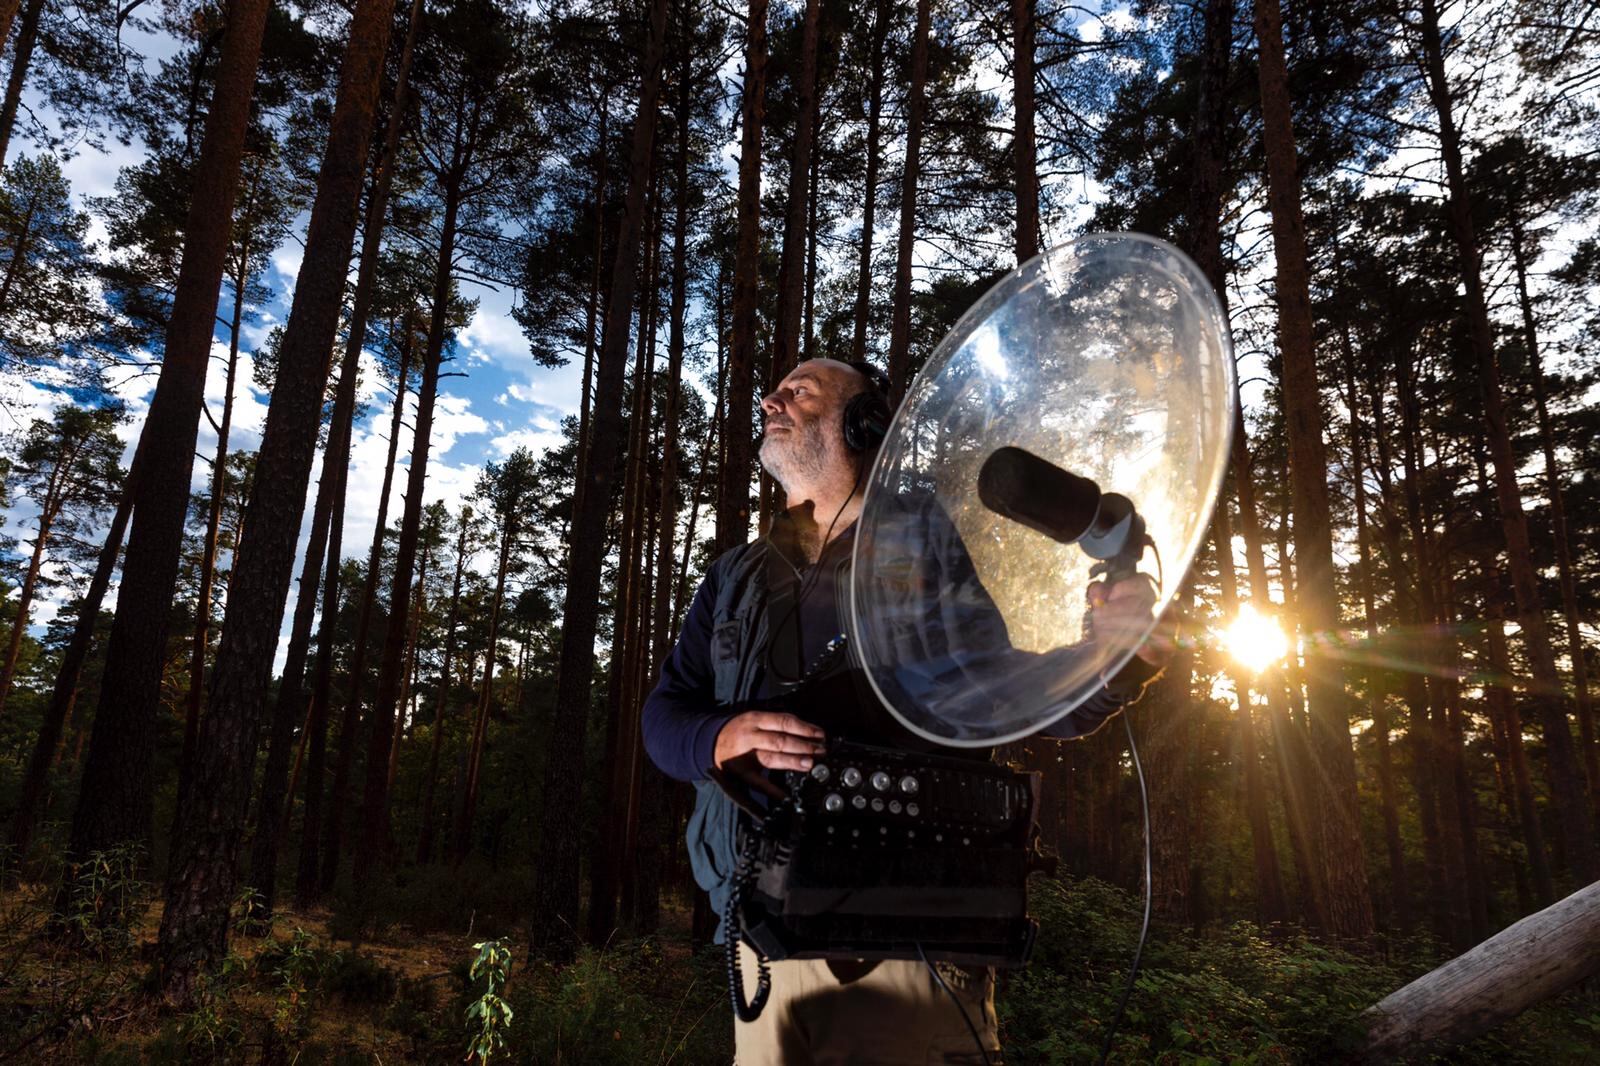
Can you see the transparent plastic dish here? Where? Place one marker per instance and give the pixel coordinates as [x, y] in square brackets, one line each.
[1109, 357]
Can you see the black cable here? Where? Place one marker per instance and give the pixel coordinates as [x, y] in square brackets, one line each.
[808, 582]
[745, 1011]
[973, 1029]
[1144, 928]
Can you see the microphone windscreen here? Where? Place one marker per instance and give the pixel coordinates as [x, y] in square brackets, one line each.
[1019, 485]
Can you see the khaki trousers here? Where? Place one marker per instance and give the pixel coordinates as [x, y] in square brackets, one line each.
[823, 1013]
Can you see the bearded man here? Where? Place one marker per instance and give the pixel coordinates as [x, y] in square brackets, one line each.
[784, 589]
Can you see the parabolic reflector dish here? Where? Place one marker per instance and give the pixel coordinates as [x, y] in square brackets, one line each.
[1108, 357]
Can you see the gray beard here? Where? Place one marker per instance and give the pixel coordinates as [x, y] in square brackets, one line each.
[800, 456]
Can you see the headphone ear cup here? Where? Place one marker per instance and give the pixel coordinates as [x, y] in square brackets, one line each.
[866, 420]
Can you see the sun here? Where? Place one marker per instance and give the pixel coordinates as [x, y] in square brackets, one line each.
[1255, 640]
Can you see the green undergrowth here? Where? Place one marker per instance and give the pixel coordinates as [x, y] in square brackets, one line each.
[1231, 995]
[295, 994]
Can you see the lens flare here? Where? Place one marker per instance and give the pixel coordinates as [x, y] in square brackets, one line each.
[1255, 640]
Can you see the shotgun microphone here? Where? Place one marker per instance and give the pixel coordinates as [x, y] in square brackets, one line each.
[1036, 493]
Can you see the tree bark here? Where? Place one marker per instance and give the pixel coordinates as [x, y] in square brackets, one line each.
[733, 491]
[350, 722]
[329, 510]
[1377, 697]
[652, 837]
[374, 841]
[1522, 965]
[791, 268]
[425, 839]
[1343, 861]
[206, 832]
[869, 208]
[1558, 520]
[47, 744]
[1271, 904]
[1576, 817]
[48, 512]
[592, 310]
[1024, 147]
[419, 604]
[116, 789]
[463, 835]
[200, 642]
[556, 894]
[8, 14]
[900, 304]
[21, 60]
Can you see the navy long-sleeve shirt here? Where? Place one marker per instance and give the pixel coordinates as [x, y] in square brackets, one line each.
[681, 718]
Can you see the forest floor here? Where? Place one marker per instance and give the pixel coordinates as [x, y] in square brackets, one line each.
[300, 991]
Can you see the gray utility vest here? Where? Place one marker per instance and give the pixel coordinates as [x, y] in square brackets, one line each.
[738, 633]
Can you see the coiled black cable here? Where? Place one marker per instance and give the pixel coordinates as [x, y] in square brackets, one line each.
[745, 1011]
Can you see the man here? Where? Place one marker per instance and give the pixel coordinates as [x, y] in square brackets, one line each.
[785, 589]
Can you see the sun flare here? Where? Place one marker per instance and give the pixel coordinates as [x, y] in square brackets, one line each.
[1255, 640]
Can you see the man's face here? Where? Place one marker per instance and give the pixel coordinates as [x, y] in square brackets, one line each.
[804, 438]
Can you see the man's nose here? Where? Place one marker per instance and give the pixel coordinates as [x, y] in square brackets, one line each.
[772, 402]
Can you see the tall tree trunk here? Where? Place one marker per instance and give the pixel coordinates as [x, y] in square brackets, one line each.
[1377, 696]
[652, 839]
[441, 705]
[1271, 906]
[329, 512]
[900, 304]
[791, 267]
[463, 835]
[327, 518]
[1024, 147]
[8, 14]
[608, 861]
[869, 208]
[556, 896]
[1204, 242]
[206, 832]
[116, 790]
[809, 344]
[21, 60]
[47, 744]
[1503, 706]
[355, 676]
[1343, 861]
[418, 605]
[1575, 815]
[1558, 520]
[374, 841]
[1292, 762]
[30, 578]
[733, 491]
[200, 642]
[592, 310]
[1166, 741]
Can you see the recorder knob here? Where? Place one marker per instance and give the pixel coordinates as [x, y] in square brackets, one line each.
[820, 773]
[908, 785]
[851, 777]
[834, 803]
[881, 781]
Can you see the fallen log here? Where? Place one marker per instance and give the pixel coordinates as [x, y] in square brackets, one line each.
[1518, 967]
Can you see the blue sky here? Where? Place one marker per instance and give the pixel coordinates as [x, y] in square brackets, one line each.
[503, 401]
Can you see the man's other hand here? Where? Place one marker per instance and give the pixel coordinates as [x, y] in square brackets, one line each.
[1120, 612]
[772, 739]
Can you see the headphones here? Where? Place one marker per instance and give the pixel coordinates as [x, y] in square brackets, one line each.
[867, 415]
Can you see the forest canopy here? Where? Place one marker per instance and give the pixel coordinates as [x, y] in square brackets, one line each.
[379, 380]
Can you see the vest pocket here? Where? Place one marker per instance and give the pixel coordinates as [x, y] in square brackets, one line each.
[725, 642]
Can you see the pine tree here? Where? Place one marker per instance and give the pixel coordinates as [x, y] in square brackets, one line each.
[68, 467]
